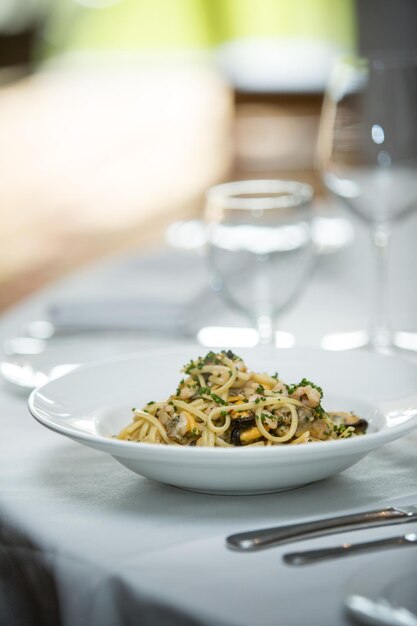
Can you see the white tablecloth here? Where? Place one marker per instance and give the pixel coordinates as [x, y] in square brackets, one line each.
[121, 549]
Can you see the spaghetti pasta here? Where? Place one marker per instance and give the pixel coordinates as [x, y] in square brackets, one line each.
[220, 403]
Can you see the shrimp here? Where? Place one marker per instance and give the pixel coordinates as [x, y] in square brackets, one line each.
[317, 428]
[280, 388]
[308, 395]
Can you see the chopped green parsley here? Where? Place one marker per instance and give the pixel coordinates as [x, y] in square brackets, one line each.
[206, 391]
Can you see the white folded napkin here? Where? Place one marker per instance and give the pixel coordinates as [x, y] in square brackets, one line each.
[108, 314]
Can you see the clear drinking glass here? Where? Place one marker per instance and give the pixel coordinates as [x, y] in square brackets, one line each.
[259, 246]
[368, 156]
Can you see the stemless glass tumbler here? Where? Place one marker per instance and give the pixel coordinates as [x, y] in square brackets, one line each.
[259, 246]
[368, 155]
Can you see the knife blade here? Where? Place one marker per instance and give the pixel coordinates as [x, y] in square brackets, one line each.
[278, 535]
[307, 557]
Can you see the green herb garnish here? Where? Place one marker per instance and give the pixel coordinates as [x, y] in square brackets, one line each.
[206, 391]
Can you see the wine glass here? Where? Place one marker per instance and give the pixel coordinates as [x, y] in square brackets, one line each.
[367, 153]
[259, 246]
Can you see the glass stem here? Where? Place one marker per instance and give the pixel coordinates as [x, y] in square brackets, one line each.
[266, 329]
[380, 334]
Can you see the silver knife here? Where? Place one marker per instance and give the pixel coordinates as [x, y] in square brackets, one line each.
[267, 537]
[305, 557]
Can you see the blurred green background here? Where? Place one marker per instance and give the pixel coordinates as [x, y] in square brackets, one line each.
[132, 24]
[38, 29]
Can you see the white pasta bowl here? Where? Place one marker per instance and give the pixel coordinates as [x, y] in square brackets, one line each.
[92, 403]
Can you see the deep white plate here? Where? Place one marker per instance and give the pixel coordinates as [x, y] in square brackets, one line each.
[92, 403]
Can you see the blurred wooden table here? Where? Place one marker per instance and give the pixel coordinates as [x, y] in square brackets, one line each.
[99, 158]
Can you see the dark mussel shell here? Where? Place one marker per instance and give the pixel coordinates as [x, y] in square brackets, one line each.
[350, 419]
[240, 424]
